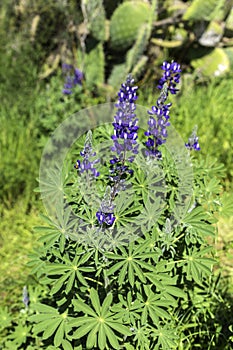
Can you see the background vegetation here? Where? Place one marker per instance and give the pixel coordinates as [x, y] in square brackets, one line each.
[103, 40]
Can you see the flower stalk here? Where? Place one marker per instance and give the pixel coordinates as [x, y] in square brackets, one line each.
[159, 114]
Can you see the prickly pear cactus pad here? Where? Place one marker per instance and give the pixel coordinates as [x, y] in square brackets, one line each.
[125, 23]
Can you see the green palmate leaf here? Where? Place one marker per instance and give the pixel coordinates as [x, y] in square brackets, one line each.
[48, 327]
[19, 336]
[197, 266]
[122, 274]
[112, 337]
[153, 306]
[50, 323]
[116, 267]
[59, 283]
[212, 185]
[106, 304]
[36, 263]
[67, 345]
[139, 272]
[133, 266]
[95, 300]
[197, 219]
[5, 317]
[71, 272]
[142, 337]
[145, 183]
[92, 337]
[102, 337]
[126, 208]
[166, 337]
[177, 292]
[127, 310]
[71, 281]
[119, 328]
[81, 306]
[100, 324]
[52, 235]
[45, 309]
[166, 285]
[149, 216]
[58, 230]
[86, 328]
[59, 334]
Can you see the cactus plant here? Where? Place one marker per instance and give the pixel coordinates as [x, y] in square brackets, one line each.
[229, 21]
[212, 35]
[125, 23]
[93, 76]
[205, 10]
[213, 64]
[136, 51]
[135, 61]
[94, 12]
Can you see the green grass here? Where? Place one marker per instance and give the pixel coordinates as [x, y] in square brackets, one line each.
[17, 239]
[19, 157]
[224, 247]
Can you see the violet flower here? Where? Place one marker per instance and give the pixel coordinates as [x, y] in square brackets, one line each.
[171, 76]
[73, 77]
[159, 114]
[193, 141]
[125, 124]
[87, 165]
[105, 213]
[25, 298]
[125, 132]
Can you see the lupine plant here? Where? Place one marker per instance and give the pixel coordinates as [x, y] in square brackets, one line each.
[130, 267]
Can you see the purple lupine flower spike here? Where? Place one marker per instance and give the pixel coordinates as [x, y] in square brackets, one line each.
[125, 134]
[78, 77]
[25, 298]
[73, 77]
[125, 123]
[87, 165]
[124, 145]
[193, 141]
[105, 213]
[171, 76]
[159, 114]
